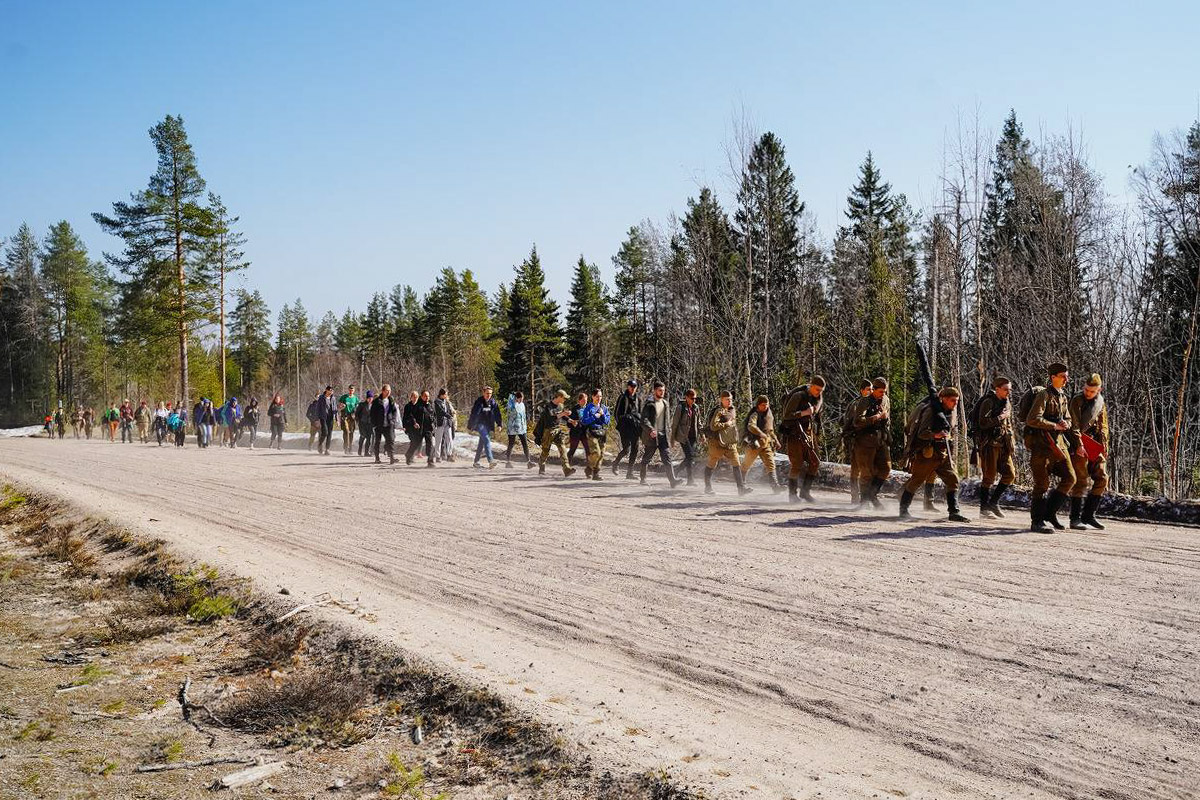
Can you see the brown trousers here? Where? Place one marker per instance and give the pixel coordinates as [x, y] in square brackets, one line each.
[996, 459]
[1097, 471]
[929, 462]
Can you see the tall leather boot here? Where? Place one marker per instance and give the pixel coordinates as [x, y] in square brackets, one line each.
[740, 480]
[994, 502]
[642, 474]
[876, 485]
[1089, 511]
[708, 481]
[1037, 510]
[854, 490]
[793, 492]
[954, 515]
[929, 506]
[1076, 511]
[1054, 501]
[806, 490]
[985, 503]
[905, 501]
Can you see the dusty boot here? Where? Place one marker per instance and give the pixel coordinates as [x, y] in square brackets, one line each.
[929, 506]
[774, 482]
[953, 514]
[1089, 511]
[854, 492]
[596, 474]
[1050, 513]
[1037, 509]
[708, 481]
[541, 469]
[616, 464]
[739, 479]
[994, 503]
[530, 463]
[876, 485]
[793, 491]
[905, 501]
[806, 490]
[377, 459]
[568, 470]
[642, 474]
[985, 502]
[1076, 511]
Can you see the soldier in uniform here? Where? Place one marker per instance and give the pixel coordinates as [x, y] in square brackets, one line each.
[553, 432]
[870, 417]
[1046, 428]
[995, 445]
[656, 433]
[929, 453]
[864, 389]
[722, 435]
[1089, 417]
[798, 427]
[685, 430]
[758, 437]
[628, 415]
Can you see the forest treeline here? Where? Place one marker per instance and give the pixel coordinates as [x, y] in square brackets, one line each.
[1019, 260]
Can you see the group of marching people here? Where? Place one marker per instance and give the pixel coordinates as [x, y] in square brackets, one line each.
[1067, 437]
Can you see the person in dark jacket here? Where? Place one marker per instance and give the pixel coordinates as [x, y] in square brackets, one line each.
[576, 434]
[628, 413]
[327, 411]
[383, 420]
[418, 424]
[485, 418]
[249, 422]
[362, 415]
[277, 414]
[685, 429]
[656, 428]
[443, 426]
[314, 422]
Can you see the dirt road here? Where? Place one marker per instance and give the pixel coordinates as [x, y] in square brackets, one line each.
[750, 647]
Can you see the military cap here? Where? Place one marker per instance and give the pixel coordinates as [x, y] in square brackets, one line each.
[1056, 367]
[1094, 379]
[879, 383]
[865, 383]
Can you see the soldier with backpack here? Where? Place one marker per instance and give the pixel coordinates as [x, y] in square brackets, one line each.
[928, 449]
[1089, 423]
[799, 415]
[1047, 423]
[722, 435]
[870, 418]
[990, 425]
[864, 389]
[758, 437]
[551, 431]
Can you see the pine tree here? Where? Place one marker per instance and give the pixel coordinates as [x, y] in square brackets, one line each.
[24, 319]
[588, 346]
[76, 290]
[377, 328]
[225, 255]
[633, 301]
[529, 357]
[165, 229]
[250, 339]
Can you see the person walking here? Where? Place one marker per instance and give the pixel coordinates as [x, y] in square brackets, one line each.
[685, 430]
[656, 426]
[594, 420]
[161, 412]
[347, 404]
[126, 417]
[327, 409]
[577, 434]
[89, 422]
[206, 418]
[177, 424]
[250, 422]
[758, 437]
[314, 423]
[551, 431]
[383, 421]
[485, 418]
[112, 421]
[419, 427]
[231, 415]
[628, 413]
[365, 432]
[722, 434]
[277, 417]
[77, 421]
[443, 426]
[142, 417]
[516, 425]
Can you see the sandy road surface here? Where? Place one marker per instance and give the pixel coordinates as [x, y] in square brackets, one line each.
[740, 642]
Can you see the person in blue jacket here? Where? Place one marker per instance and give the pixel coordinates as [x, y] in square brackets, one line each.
[485, 418]
[594, 419]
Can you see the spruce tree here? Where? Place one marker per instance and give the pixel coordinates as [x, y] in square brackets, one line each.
[24, 320]
[588, 349]
[529, 357]
[250, 339]
[165, 229]
[76, 288]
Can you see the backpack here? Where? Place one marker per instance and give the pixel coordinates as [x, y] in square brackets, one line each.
[973, 416]
[1026, 403]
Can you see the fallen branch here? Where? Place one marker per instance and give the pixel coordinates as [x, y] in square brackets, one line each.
[245, 777]
[97, 715]
[304, 607]
[208, 762]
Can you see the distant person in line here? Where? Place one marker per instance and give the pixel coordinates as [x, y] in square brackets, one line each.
[60, 421]
[383, 419]
[656, 427]
[594, 419]
[177, 424]
[77, 421]
[516, 425]
[89, 422]
[206, 418]
[444, 421]
[112, 421]
[347, 404]
[577, 435]
[685, 429]
[326, 419]
[366, 433]
[421, 431]
[142, 417]
[485, 418]
[409, 424]
[160, 422]
[314, 422]
[551, 430]
[231, 415]
[127, 422]
[277, 415]
[249, 422]
[628, 413]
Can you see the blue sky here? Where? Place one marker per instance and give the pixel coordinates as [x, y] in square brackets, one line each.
[369, 144]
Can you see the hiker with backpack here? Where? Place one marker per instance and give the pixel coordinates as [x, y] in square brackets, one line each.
[1089, 429]
[758, 437]
[864, 389]
[928, 447]
[629, 426]
[990, 426]
[722, 435]
[798, 428]
[552, 431]
[870, 420]
[1047, 424]
[656, 433]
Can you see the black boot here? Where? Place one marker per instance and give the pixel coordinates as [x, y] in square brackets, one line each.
[642, 474]
[905, 501]
[1076, 511]
[994, 502]
[793, 490]
[876, 485]
[773, 481]
[1089, 512]
[929, 506]
[1037, 510]
[985, 503]
[708, 481]
[740, 480]
[806, 490]
[952, 508]
[1054, 502]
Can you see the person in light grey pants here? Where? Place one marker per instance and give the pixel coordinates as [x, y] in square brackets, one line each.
[443, 432]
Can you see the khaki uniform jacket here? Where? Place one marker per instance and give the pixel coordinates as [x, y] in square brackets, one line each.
[1090, 417]
[1049, 407]
[758, 428]
[877, 434]
[722, 427]
[992, 429]
[797, 402]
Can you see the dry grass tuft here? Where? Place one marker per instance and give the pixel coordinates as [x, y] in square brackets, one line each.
[317, 701]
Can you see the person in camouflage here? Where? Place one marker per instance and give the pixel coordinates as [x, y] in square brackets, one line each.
[1046, 428]
[721, 432]
[552, 431]
[928, 447]
[1089, 417]
[995, 446]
